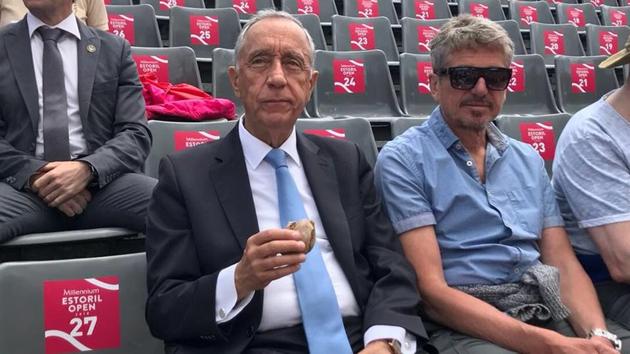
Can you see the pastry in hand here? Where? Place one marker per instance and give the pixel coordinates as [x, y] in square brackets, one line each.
[307, 230]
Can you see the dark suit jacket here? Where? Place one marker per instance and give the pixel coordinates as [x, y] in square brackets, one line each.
[202, 214]
[110, 104]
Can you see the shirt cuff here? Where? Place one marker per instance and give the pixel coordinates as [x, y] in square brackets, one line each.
[420, 220]
[226, 307]
[380, 332]
[553, 221]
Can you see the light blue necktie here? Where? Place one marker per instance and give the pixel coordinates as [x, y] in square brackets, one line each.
[320, 312]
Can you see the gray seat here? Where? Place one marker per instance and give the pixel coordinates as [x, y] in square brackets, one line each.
[314, 28]
[599, 3]
[511, 27]
[374, 33]
[426, 9]
[564, 41]
[529, 91]
[605, 40]
[554, 3]
[357, 130]
[589, 85]
[490, 9]
[540, 131]
[577, 14]
[163, 7]
[222, 88]
[118, 2]
[247, 8]
[169, 137]
[401, 125]
[526, 12]
[618, 16]
[414, 84]
[416, 34]
[178, 64]
[31, 302]
[136, 23]
[365, 91]
[220, 32]
[354, 8]
[325, 9]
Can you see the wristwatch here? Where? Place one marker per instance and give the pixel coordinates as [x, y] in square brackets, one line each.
[394, 346]
[599, 332]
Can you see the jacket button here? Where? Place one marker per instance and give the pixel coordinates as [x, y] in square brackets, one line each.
[250, 331]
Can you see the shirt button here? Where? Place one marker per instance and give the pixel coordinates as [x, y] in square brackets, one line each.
[469, 163]
[407, 345]
[221, 313]
[517, 270]
[458, 146]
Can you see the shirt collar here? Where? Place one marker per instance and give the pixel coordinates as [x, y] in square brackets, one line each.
[69, 25]
[255, 149]
[448, 138]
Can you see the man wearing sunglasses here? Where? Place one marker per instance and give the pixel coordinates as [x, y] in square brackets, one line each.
[477, 217]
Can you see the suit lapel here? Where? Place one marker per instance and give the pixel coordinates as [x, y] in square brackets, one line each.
[322, 178]
[18, 47]
[229, 174]
[88, 53]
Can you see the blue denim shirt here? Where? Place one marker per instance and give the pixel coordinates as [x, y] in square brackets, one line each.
[487, 233]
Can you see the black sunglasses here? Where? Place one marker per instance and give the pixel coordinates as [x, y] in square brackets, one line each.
[466, 77]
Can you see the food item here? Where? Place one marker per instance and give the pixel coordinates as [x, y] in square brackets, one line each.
[307, 229]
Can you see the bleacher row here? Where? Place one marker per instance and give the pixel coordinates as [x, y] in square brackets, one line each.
[38, 271]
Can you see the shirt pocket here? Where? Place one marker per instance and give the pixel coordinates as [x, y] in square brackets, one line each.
[528, 209]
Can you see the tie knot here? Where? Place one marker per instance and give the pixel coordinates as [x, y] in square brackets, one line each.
[50, 34]
[277, 158]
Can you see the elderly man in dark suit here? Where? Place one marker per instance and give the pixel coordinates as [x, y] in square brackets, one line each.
[72, 129]
[223, 274]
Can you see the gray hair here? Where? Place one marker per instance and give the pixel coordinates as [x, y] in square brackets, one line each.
[271, 13]
[468, 32]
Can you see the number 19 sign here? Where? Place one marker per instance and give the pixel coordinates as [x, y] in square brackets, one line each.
[81, 314]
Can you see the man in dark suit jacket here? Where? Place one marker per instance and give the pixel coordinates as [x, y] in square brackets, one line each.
[219, 266]
[97, 184]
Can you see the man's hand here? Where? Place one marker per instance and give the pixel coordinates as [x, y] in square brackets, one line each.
[268, 255]
[377, 347]
[59, 181]
[567, 345]
[76, 205]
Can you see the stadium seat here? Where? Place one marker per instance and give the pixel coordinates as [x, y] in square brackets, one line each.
[511, 27]
[529, 91]
[163, 7]
[550, 40]
[118, 2]
[580, 82]
[490, 9]
[173, 64]
[615, 15]
[314, 28]
[401, 125]
[416, 34]
[554, 3]
[541, 132]
[374, 8]
[577, 14]
[526, 12]
[169, 137]
[599, 3]
[136, 23]
[605, 40]
[426, 9]
[357, 130]
[354, 83]
[204, 29]
[75, 305]
[245, 8]
[353, 33]
[325, 9]
[414, 84]
[222, 88]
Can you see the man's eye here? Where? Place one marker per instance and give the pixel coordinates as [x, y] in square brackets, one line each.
[259, 62]
[293, 64]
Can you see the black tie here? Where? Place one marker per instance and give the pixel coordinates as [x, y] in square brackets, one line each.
[55, 120]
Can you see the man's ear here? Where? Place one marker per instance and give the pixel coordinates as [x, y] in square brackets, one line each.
[313, 79]
[233, 75]
[434, 81]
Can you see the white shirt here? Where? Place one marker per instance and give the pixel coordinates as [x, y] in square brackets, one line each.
[68, 48]
[280, 303]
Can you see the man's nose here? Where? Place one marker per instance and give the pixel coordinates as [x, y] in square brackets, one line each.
[480, 87]
[276, 74]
